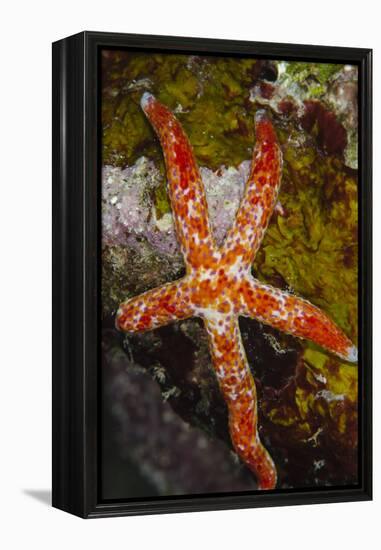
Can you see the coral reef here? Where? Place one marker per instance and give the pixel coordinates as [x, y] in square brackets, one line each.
[307, 398]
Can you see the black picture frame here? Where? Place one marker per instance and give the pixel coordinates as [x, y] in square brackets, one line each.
[76, 270]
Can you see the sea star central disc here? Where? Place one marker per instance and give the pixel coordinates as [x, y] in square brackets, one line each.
[218, 286]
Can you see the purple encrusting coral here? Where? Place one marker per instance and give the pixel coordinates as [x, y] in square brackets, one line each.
[224, 189]
[128, 209]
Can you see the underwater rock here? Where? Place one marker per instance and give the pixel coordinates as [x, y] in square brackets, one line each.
[130, 214]
[171, 455]
[342, 95]
[321, 95]
[138, 241]
[311, 249]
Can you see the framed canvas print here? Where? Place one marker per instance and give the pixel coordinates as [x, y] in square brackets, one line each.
[212, 274]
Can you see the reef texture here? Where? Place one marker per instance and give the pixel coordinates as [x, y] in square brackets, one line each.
[307, 398]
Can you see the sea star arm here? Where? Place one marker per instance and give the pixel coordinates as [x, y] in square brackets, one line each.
[238, 388]
[186, 189]
[155, 308]
[260, 197]
[295, 316]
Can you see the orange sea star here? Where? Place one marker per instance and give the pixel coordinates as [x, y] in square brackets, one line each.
[218, 285]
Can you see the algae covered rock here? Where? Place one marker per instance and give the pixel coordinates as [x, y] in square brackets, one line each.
[307, 398]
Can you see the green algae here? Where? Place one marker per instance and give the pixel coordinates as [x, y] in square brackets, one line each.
[311, 250]
[311, 77]
[205, 93]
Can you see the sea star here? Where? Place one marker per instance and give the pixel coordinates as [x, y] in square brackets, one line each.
[218, 285]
